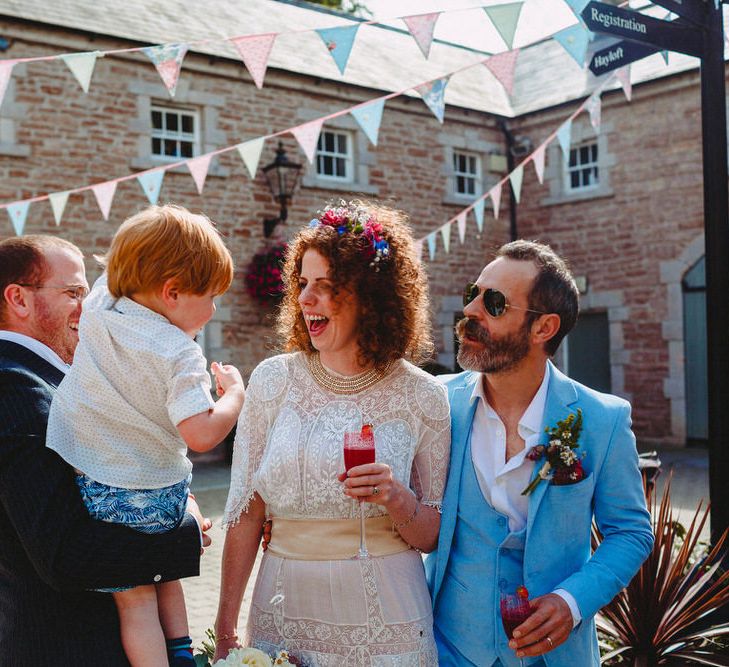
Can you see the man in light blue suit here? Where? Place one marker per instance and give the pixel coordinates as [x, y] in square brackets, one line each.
[493, 537]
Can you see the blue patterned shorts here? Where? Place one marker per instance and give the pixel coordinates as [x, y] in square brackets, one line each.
[145, 510]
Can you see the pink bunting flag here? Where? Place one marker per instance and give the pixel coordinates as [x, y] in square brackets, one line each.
[461, 222]
[255, 50]
[6, 71]
[502, 66]
[418, 247]
[594, 108]
[308, 135]
[495, 194]
[538, 160]
[104, 193]
[623, 75]
[167, 59]
[421, 27]
[199, 169]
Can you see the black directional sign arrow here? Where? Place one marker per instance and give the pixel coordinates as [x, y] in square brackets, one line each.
[600, 17]
[618, 55]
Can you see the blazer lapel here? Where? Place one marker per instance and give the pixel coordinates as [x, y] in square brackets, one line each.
[21, 355]
[561, 395]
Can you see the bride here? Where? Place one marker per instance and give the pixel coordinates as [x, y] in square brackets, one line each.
[355, 308]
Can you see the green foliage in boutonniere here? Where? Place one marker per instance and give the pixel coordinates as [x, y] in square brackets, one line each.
[563, 465]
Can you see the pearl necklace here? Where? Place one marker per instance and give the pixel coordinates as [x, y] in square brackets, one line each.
[343, 385]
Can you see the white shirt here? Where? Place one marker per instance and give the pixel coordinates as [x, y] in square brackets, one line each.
[502, 481]
[41, 349]
[135, 376]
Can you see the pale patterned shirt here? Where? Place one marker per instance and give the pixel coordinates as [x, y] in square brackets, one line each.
[134, 377]
[502, 481]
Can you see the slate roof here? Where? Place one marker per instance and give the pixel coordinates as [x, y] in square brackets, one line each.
[382, 58]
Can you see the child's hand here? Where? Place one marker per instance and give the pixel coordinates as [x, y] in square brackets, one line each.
[227, 377]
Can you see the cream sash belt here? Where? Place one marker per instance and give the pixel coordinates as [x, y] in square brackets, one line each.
[332, 539]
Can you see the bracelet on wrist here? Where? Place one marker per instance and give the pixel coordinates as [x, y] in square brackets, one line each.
[227, 636]
[409, 520]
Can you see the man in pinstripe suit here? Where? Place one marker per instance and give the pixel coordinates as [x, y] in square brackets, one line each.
[51, 551]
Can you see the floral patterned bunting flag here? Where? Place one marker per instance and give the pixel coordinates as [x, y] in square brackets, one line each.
[254, 50]
[369, 118]
[18, 212]
[574, 40]
[151, 182]
[421, 27]
[502, 66]
[167, 58]
[433, 94]
[339, 42]
[594, 108]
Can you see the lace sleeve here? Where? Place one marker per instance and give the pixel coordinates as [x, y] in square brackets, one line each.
[266, 385]
[430, 465]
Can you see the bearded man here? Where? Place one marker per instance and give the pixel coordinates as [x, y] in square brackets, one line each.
[535, 456]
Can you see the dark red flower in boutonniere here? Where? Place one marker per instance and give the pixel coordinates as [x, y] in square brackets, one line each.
[563, 464]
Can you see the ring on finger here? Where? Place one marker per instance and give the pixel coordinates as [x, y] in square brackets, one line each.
[550, 642]
[375, 490]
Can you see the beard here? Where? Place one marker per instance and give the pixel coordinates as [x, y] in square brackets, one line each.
[52, 329]
[492, 355]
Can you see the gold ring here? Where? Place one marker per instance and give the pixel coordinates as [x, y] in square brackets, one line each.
[375, 490]
[550, 642]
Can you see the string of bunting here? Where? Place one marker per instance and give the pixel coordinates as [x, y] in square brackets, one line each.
[255, 49]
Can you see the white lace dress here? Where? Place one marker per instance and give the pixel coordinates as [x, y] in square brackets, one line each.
[329, 613]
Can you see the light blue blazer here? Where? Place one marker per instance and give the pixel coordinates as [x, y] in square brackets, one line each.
[557, 548]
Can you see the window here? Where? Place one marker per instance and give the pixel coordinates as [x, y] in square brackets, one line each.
[466, 173]
[582, 171]
[175, 133]
[334, 159]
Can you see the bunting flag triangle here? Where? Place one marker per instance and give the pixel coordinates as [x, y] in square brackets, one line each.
[664, 54]
[369, 118]
[58, 204]
[594, 108]
[505, 19]
[421, 27]
[167, 58]
[495, 194]
[461, 222]
[6, 71]
[339, 42]
[254, 51]
[151, 182]
[431, 246]
[516, 177]
[82, 66]
[308, 135]
[577, 6]
[564, 136]
[104, 193]
[623, 75]
[433, 94]
[538, 158]
[574, 40]
[418, 248]
[478, 214]
[445, 232]
[18, 212]
[198, 167]
[250, 153]
[502, 66]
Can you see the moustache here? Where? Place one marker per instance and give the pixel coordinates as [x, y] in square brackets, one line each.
[471, 328]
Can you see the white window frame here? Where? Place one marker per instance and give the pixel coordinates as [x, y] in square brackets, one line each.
[475, 176]
[178, 136]
[592, 165]
[347, 156]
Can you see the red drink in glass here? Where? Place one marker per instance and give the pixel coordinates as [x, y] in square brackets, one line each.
[515, 610]
[359, 448]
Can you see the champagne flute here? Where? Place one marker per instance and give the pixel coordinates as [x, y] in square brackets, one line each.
[359, 448]
[515, 610]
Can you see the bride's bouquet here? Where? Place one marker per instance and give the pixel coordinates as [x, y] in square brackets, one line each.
[253, 657]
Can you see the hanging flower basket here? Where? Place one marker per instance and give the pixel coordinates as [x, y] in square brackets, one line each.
[264, 276]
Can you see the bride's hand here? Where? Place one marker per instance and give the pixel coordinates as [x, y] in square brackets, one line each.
[371, 482]
[223, 647]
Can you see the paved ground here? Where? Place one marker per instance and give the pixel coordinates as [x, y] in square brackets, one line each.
[210, 484]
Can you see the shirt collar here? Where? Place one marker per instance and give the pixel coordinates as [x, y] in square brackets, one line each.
[35, 346]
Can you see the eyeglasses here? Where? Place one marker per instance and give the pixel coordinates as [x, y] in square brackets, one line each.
[78, 292]
[494, 301]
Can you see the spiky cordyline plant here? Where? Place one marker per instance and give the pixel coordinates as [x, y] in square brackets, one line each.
[655, 620]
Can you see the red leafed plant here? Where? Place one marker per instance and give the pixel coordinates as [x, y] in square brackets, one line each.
[264, 275]
[660, 618]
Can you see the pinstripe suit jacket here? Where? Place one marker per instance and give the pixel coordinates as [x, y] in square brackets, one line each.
[51, 550]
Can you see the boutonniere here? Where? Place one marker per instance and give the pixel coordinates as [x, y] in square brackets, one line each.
[562, 464]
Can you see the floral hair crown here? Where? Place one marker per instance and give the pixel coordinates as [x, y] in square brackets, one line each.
[347, 217]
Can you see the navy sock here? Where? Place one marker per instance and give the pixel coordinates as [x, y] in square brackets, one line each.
[179, 652]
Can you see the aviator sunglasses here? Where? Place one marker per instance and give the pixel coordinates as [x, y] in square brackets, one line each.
[494, 301]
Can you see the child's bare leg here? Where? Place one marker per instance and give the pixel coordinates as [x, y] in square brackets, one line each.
[141, 632]
[172, 612]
